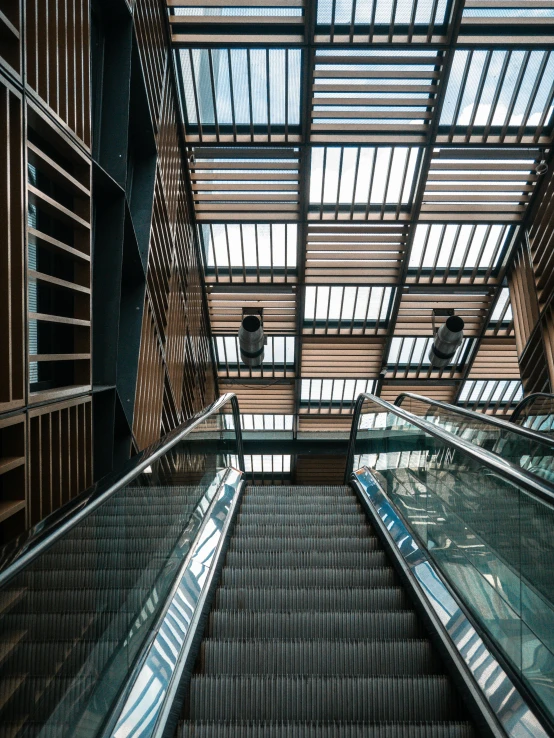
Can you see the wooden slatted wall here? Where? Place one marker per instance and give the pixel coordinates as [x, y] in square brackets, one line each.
[65, 103]
[531, 281]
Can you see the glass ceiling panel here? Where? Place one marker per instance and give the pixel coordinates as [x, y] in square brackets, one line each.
[457, 248]
[279, 350]
[276, 463]
[248, 422]
[362, 177]
[502, 312]
[341, 392]
[491, 391]
[505, 12]
[410, 351]
[380, 12]
[347, 306]
[241, 11]
[249, 246]
[494, 88]
[241, 87]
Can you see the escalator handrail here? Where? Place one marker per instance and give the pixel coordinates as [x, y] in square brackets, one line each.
[536, 486]
[18, 554]
[491, 419]
[526, 401]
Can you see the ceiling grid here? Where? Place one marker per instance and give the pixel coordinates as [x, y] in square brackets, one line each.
[354, 165]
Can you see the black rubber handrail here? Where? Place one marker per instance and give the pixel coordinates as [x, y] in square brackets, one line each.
[529, 399]
[536, 486]
[506, 425]
[16, 555]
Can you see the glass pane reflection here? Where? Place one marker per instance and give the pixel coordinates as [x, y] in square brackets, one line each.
[490, 538]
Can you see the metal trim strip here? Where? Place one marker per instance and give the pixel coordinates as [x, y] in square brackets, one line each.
[150, 696]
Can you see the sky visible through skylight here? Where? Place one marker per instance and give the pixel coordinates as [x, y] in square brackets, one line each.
[502, 69]
[259, 245]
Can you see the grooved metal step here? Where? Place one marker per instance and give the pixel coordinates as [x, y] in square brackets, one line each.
[357, 626]
[322, 730]
[311, 634]
[344, 577]
[338, 530]
[341, 699]
[292, 599]
[295, 518]
[306, 559]
[321, 657]
[284, 543]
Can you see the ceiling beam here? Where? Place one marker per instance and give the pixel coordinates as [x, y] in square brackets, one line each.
[445, 69]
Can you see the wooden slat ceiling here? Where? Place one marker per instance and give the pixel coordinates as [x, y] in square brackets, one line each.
[355, 166]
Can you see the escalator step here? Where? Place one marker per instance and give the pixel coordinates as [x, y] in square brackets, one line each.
[322, 730]
[301, 543]
[81, 600]
[38, 659]
[88, 579]
[322, 657]
[337, 577]
[309, 625]
[295, 518]
[46, 627]
[337, 530]
[331, 506]
[123, 544]
[305, 560]
[364, 699]
[41, 692]
[301, 491]
[312, 598]
[80, 561]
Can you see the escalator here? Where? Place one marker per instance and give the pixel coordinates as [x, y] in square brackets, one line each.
[173, 600]
[311, 626]
[521, 445]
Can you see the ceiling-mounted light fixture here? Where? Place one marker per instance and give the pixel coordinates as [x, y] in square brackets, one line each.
[541, 168]
[251, 337]
[447, 339]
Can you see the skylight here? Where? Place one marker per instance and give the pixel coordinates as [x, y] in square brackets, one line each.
[267, 463]
[380, 12]
[413, 352]
[341, 309]
[278, 355]
[366, 167]
[248, 248]
[237, 89]
[339, 393]
[266, 422]
[457, 250]
[502, 312]
[494, 89]
[491, 391]
[362, 179]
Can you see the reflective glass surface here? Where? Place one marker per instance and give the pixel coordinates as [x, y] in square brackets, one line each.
[75, 619]
[490, 538]
[537, 414]
[532, 455]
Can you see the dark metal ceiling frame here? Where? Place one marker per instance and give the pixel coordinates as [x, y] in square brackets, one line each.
[485, 36]
[453, 30]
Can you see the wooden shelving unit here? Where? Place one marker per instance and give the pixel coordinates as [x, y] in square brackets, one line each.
[13, 497]
[59, 308]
